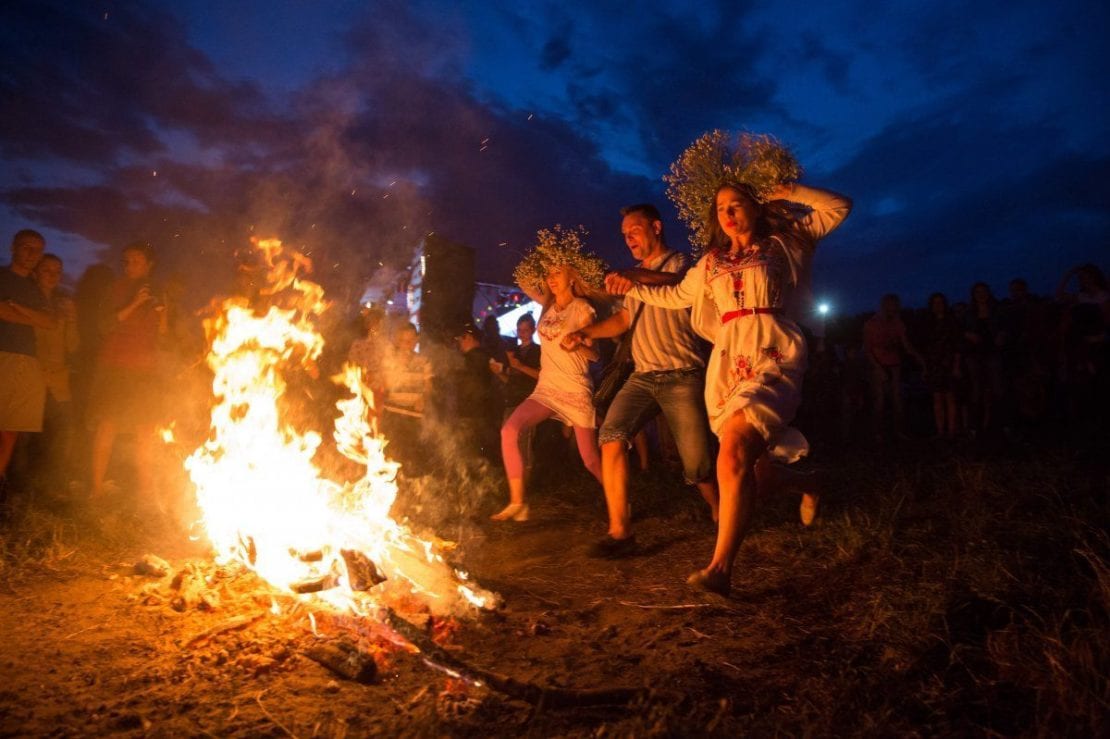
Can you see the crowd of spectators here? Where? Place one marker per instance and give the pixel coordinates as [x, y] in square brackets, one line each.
[982, 368]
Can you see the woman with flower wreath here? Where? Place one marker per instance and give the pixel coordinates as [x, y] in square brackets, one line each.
[558, 275]
[758, 230]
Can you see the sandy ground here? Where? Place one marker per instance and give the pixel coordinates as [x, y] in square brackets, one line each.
[927, 600]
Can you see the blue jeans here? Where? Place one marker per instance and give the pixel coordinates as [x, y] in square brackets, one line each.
[680, 395]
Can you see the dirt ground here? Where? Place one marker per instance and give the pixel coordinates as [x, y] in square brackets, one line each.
[867, 623]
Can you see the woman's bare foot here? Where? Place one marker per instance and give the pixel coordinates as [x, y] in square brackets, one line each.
[710, 581]
[512, 512]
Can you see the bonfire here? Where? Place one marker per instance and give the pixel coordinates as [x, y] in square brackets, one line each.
[267, 505]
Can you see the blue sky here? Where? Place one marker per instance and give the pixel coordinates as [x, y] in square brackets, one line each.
[972, 137]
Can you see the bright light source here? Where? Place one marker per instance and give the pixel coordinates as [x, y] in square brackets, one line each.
[823, 309]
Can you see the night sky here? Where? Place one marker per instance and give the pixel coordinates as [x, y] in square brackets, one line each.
[972, 136]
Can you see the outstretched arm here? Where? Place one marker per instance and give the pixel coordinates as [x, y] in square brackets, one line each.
[673, 297]
[13, 312]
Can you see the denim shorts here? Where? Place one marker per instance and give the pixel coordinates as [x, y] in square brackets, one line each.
[680, 395]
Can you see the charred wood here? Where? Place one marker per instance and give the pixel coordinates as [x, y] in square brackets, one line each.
[345, 659]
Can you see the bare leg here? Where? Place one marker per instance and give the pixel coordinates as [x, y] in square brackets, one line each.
[640, 443]
[741, 446]
[938, 413]
[952, 414]
[7, 446]
[103, 439]
[712, 496]
[896, 407]
[144, 465]
[586, 438]
[527, 415]
[614, 478]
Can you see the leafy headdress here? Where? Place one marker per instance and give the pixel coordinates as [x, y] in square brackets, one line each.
[758, 161]
[559, 246]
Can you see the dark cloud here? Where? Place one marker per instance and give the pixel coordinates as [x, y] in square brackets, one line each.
[943, 203]
[118, 128]
[554, 52]
[89, 85]
[835, 65]
[354, 170]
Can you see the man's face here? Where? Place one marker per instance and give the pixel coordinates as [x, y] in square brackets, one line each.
[641, 234]
[26, 253]
[525, 330]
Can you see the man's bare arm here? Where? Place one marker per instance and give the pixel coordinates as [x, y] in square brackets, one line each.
[13, 312]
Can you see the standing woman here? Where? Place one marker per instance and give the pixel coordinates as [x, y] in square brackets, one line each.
[558, 275]
[54, 347]
[759, 234]
[942, 364]
[125, 396]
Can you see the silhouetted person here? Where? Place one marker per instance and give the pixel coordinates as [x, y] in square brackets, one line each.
[22, 309]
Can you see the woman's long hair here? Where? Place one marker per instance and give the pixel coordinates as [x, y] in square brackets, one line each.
[602, 302]
[773, 218]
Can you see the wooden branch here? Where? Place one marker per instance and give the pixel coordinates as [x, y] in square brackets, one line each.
[528, 692]
[239, 622]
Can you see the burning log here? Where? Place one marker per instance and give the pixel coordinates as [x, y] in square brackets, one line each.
[315, 584]
[346, 660]
[362, 573]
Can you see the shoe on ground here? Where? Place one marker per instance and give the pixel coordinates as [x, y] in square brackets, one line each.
[610, 548]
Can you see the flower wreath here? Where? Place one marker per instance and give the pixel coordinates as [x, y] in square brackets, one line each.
[555, 247]
[758, 161]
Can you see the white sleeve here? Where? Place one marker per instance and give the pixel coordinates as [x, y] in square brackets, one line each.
[673, 297]
[827, 210]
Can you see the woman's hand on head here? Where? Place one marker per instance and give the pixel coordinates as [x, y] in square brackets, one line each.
[783, 191]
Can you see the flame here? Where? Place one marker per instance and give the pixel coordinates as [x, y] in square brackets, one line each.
[263, 500]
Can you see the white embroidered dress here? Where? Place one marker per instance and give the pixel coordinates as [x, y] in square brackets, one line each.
[746, 305]
[564, 385]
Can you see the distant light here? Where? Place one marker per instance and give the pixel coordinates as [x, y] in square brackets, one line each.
[823, 309]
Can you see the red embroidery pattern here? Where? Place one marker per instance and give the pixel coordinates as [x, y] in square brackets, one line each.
[551, 325]
[773, 353]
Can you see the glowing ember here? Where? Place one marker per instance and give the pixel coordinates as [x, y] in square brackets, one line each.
[263, 500]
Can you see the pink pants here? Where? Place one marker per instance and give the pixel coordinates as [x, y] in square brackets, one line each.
[529, 414]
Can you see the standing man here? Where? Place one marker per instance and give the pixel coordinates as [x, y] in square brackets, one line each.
[884, 340]
[669, 376]
[22, 309]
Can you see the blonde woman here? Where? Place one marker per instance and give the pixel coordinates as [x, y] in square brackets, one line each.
[557, 275]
